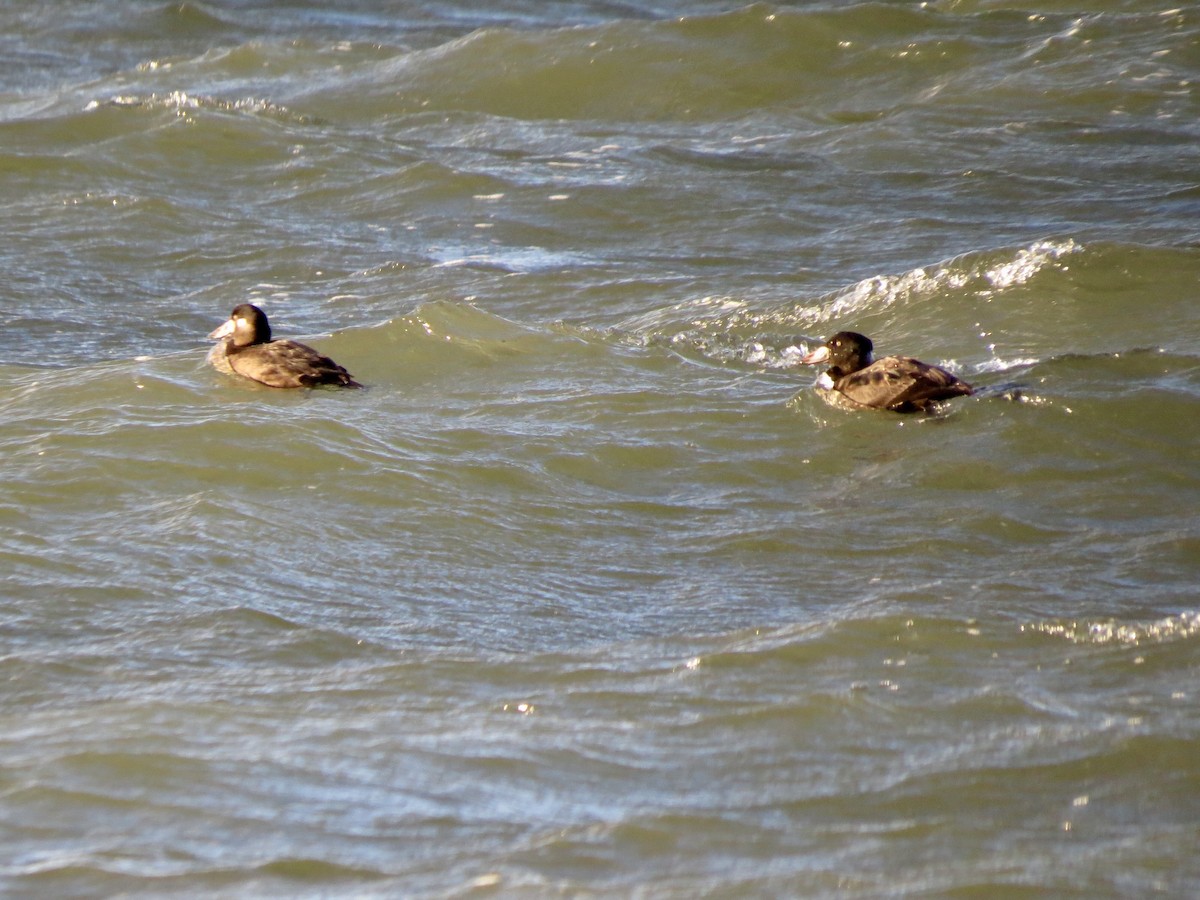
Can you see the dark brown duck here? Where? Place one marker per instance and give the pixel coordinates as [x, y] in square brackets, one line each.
[898, 383]
[246, 349]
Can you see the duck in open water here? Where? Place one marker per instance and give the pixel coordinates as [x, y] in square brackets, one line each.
[898, 383]
[245, 348]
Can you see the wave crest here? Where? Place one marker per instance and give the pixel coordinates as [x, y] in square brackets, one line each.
[1172, 628]
[730, 329]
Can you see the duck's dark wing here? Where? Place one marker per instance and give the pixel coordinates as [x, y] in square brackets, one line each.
[902, 384]
[288, 364]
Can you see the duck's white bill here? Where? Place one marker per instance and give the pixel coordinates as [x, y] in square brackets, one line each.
[817, 356]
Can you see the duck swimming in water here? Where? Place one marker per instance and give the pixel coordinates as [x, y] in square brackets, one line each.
[246, 349]
[898, 383]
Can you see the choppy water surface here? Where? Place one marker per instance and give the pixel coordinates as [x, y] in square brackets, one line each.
[589, 593]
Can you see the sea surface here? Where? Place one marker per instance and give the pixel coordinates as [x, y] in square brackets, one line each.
[589, 593]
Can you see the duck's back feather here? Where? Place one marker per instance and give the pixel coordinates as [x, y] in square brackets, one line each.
[901, 384]
[286, 364]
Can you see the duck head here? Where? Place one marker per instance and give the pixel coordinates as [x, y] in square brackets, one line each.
[845, 352]
[246, 325]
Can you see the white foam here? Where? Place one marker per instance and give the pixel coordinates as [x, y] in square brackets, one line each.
[1028, 263]
[1003, 365]
[881, 291]
[1183, 626]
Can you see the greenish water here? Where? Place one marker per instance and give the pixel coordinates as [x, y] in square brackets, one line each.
[589, 593]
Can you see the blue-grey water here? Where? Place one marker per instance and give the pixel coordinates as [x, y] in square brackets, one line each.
[589, 593]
